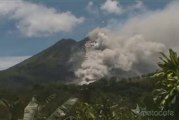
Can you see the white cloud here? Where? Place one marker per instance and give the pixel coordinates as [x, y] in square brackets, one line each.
[91, 8]
[6, 62]
[112, 6]
[139, 4]
[36, 20]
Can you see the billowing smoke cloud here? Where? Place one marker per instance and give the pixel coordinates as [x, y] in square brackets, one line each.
[133, 47]
[105, 51]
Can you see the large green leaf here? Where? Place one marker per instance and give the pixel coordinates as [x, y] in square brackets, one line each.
[63, 109]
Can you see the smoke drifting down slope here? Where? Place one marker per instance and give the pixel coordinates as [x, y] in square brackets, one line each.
[105, 51]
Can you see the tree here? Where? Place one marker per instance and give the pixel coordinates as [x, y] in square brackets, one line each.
[167, 81]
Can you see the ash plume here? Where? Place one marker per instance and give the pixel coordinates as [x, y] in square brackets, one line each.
[105, 51]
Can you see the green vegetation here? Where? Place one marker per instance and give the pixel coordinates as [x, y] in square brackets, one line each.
[114, 98]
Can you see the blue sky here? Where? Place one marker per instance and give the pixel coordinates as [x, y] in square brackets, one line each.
[29, 26]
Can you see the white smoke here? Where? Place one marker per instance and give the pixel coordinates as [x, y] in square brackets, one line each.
[106, 51]
[133, 47]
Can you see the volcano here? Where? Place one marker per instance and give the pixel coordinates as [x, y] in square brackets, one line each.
[55, 64]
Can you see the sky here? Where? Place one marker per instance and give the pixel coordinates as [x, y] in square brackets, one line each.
[30, 26]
